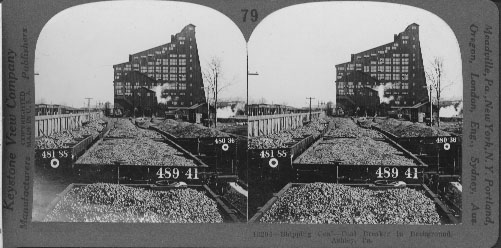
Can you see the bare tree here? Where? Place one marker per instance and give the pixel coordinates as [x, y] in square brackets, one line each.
[214, 79]
[434, 77]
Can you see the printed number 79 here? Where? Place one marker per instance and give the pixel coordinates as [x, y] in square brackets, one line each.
[253, 15]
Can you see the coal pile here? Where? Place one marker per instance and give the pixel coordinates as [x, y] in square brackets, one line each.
[102, 202]
[135, 152]
[359, 151]
[324, 203]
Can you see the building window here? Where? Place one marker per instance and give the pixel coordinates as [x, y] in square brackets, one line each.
[397, 102]
[341, 92]
[173, 77]
[387, 61]
[182, 55]
[405, 76]
[405, 55]
[396, 68]
[182, 86]
[387, 76]
[158, 69]
[150, 68]
[165, 76]
[405, 69]
[405, 86]
[380, 68]
[173, 61]
[350, 91]
[358, 67]
[396, 61]
[404, 42]
[387, 68]
[182, 77]
[173, 70]
[182, 61]
[405, 61]
[182, 69]
[380, 76]
[396, 76]
[119, 91]
[350, 67]
[374, 75]
[366, 68]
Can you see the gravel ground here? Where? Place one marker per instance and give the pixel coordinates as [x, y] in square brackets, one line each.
[324, 203]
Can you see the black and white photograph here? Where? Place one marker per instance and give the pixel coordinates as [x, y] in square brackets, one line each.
[355, 119]
[140, 115]
[250, 123]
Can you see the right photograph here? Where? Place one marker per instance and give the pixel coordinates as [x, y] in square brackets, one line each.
[354, 116]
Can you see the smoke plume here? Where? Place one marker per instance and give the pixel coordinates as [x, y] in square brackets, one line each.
[158, 93]
[380, 90]
[452, 110]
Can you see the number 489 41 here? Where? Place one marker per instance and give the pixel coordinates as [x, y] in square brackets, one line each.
[387, 172]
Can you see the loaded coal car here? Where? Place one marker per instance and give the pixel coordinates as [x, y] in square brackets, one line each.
[330, 203]
[139, 160]
[364, 159]
[58, 151]
[216, 147]
[439, 149]
[144, 203]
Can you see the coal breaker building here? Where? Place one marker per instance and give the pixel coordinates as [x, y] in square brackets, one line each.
[383, 78]
[169, 73]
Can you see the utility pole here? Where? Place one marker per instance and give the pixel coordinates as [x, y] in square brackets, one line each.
[88, 105]
[310, 104]
[215, 103]
[248, 74]
[431, 109]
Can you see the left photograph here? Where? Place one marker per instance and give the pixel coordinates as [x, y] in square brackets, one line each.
[140, 115]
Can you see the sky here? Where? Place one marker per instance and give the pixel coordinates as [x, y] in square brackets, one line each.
[78, 47]
[294, 50]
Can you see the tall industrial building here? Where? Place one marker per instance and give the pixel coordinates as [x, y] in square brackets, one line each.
[396, 67]
[171, 71]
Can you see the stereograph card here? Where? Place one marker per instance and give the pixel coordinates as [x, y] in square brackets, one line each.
[250, 123]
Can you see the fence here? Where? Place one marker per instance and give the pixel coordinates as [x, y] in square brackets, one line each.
[269, 124]
[49, 124]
